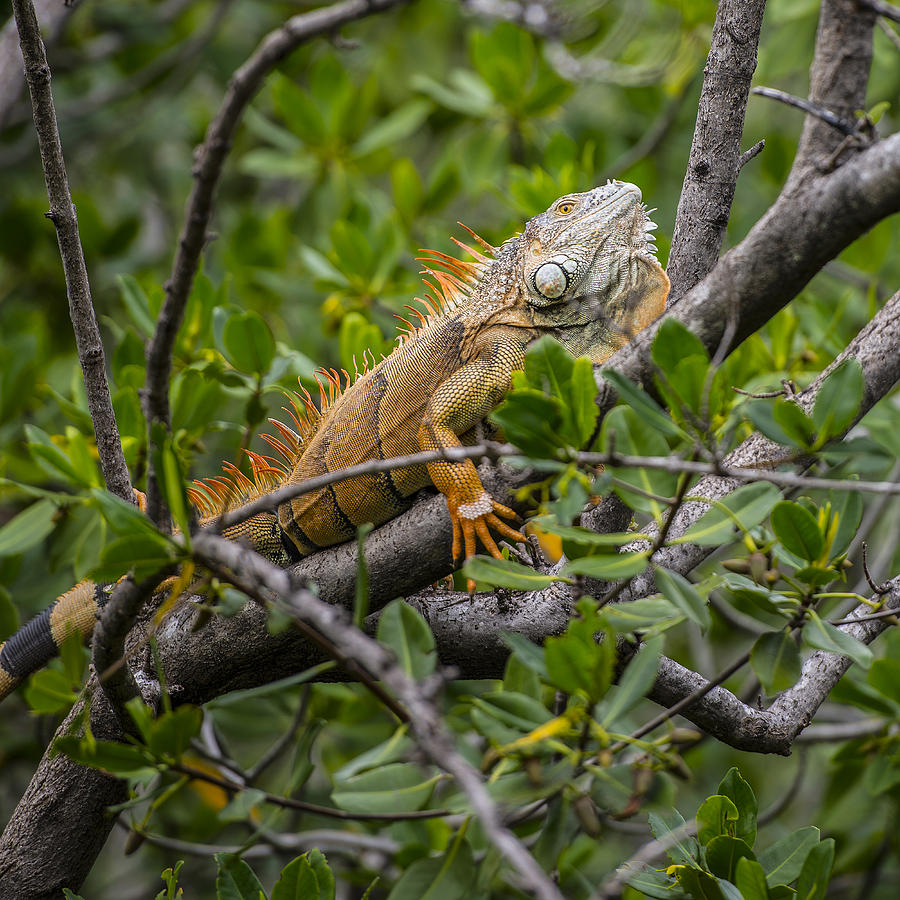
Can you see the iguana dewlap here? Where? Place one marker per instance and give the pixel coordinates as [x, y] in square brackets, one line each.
[585, 272]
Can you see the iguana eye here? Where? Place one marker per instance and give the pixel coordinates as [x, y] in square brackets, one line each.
[565, 207]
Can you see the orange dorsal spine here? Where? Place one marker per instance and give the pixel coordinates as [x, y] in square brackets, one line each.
[449, 284]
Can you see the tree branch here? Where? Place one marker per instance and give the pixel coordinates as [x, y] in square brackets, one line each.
[838, 80]
[243, 86]
[712, 171]
[62, 214]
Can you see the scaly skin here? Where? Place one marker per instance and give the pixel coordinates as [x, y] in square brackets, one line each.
[584, 272]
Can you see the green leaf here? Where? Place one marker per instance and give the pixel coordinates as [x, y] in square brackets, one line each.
[242, 807]
[745, 508]
[53, 460]
[673, 343]
[723, 853]
[716, 815]
[171, 479]
[816, 576]
[643, 404]
[109, 756]
[776, 661]
[635, 682]
[813, 881]
[625, 432]
[682, 595]
[505, 573]
[357, 339]
[797, 529]
[783, 860]
[404, 121]
[699, 884]
[49, 692]
[641, 614]
[884, 676]
[397, 787]
[406, 633]
[248, 343]
[741, 794]
[409, 192]
[142, 554]
[750, 879]
[684, 850]
[795, 423]
[575, 534]
[576, 660]
[825, 636]
[762, 414]
[124, 518]
[848, 507]
[552, 370]
[28, 528]
[839, 399]
[323, 874]
[531, 420]
[306, 877]
[450, 876]
[608, 566]
[235, 880]
[71, 895]
[172, 732]
[530, 654]
[136, 304]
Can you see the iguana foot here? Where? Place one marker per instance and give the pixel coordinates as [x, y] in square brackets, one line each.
[471, 522]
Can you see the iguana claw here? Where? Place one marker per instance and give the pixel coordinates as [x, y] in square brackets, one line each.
[471, 522]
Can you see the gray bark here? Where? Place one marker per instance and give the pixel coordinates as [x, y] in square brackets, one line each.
[711, 177]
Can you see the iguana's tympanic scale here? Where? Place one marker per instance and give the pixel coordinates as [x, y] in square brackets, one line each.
[585, 272]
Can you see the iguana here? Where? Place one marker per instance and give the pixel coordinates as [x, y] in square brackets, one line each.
[585, 271]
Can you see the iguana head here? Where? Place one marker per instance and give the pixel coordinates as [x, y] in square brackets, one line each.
[587, 269]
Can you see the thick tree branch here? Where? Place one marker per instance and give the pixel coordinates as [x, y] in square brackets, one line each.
[838, 80]
[712, 171]
[243, 86]
[62, 214]
[61, 822]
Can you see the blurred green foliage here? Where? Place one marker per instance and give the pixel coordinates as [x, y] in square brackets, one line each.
[356, 153]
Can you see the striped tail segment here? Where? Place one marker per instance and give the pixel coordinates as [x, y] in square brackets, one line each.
[38, 641]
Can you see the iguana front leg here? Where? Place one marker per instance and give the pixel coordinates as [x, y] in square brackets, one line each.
[459, 403]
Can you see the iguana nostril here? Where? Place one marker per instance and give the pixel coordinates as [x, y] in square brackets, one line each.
[551, 280]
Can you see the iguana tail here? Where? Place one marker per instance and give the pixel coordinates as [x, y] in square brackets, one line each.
[38, 641]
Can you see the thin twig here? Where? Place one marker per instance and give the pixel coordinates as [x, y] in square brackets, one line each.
[892, 35]
[495, 451]
[879, 589]
[78, 288]
[826, 115]
[301, 805]
[888, 10]
[751, 153]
